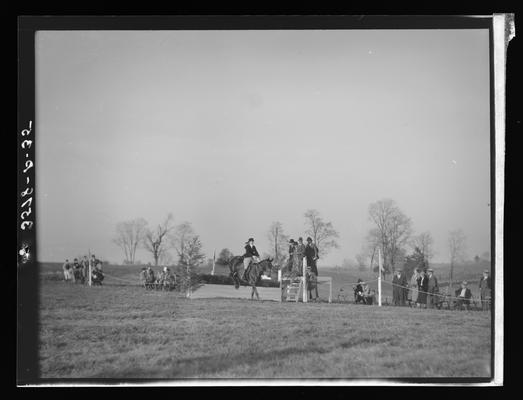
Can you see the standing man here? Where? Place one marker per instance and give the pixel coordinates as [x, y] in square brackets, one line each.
[292, 248]
[67, 268]
[95, 263]
[85, 269]
[77, 271]
[396, 289]
[432, 288]
[299, 254]
[311, 254]
[250, 254]
[485, 288]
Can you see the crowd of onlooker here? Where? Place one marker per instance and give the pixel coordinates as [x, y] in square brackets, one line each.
[78, 270]
[422, 291]
[164, 279]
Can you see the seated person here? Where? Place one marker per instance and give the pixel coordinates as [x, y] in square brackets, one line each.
[463, 296]
[368, 294]
[358, 292]
[166, 278]
[97, 275]
[149, 275]
[143, 275]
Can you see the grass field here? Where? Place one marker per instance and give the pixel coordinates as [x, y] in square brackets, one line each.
[121, 331]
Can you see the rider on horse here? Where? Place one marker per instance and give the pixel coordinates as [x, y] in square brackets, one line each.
[250, 254]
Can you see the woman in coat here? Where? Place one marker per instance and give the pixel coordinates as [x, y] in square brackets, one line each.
[423, 286]
[413, 287]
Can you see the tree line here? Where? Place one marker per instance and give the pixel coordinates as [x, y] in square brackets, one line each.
[166, 236]
[391, 233]
[393, 236]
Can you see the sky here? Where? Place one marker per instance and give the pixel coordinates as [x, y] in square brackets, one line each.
[232, 130]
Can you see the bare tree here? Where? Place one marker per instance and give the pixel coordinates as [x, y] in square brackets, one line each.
[129, 235]
[155, 240]
[425, 243]
[391, 233]
[277, 241]
[457, 245]
[322, 233]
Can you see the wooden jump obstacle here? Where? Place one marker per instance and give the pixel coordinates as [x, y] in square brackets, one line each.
[285, 292]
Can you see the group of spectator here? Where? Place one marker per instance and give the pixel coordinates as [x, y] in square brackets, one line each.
[423, 291]
[78, 271]
[363, 293]
[165, 278]
[300, 252]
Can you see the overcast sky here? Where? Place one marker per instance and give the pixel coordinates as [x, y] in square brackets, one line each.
[232, 130]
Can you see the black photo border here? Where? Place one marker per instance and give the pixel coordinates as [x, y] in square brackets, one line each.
[27, 267]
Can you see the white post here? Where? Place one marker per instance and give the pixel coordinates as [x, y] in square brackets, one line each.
[304, 269]
[379, 277]
[279, 275]
[90, 280]
[213, 261]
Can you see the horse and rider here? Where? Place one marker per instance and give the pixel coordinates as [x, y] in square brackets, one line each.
[253, 267]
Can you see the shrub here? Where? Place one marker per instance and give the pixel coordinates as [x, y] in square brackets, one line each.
[227, 280]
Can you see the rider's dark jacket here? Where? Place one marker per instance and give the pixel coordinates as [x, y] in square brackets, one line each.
[251, 251]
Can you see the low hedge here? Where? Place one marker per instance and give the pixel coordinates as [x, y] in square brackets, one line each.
[227, 280]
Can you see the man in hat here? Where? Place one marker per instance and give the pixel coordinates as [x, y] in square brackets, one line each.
[432, 289]
[485, 288]
[67, 270]
[311, 255]
[292, 247]
[85, 269]
[299, 254]
[399, 282]
[358, 292]
[463, 296]
[250, 254]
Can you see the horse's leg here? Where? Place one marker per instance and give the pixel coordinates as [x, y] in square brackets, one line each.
[256, 291]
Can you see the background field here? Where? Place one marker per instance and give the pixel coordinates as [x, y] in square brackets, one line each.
[121, 331]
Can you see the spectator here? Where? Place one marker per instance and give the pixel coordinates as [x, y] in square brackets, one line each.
[413, 292]
[485, 288]
[363, 294]
[463, 296]
[292, 247]
[368, 294]
[150, 275]
[85, 269]
[422, 290]
[311, 255]
[432, 289]
[299, 254]
[143, 276]
[77, 271]
[358, 292]
[399, 285]
[67, 270]
[95, 263]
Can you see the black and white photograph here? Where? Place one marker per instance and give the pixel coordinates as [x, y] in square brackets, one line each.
[271, 204]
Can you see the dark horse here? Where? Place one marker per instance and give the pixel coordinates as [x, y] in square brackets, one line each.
[254, 272]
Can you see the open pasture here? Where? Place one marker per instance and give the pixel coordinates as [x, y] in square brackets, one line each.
[122, 331]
